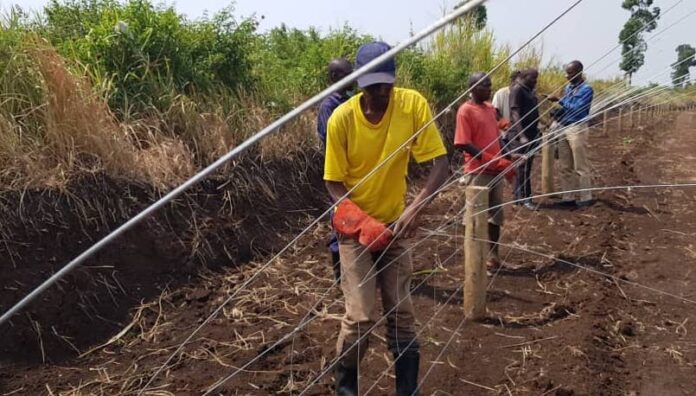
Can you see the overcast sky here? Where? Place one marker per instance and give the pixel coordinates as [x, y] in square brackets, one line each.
[589, 32]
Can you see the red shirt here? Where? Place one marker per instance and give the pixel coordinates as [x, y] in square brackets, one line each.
[477, 125]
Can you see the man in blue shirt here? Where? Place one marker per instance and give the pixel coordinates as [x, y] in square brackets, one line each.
[575, 168]
[338, 69]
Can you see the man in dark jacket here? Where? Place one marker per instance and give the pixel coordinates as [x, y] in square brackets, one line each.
[524, 113]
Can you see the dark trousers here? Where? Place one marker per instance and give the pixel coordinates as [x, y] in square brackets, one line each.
[523, 181]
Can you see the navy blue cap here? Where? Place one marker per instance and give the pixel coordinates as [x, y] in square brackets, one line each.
[385, 73]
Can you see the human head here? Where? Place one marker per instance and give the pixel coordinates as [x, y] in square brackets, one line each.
[384, 73]
[514, 76]
[529, 78]
[338, 69]
[378, 83]
[574, 71]
[480, 85]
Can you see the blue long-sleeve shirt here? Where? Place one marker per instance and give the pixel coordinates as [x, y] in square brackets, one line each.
[327, 108]
[576, 103]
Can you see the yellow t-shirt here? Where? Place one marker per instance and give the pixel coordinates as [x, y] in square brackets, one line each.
[355, 146]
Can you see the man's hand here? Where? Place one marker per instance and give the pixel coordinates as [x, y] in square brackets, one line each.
[507, 168]
[406, 225]
[352, 222]
[519, 157]
[503, 124]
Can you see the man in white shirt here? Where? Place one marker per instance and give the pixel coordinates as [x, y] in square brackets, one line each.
[501, 99]
[501, 103]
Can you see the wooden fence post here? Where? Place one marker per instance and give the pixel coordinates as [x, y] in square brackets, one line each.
[547, 160]
[640, 115]
[605, 124]
[620, 119]
[475, 253]
[630, 117]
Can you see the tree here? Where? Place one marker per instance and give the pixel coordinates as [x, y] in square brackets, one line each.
[478, 14]
[642, 19]
[686, 59]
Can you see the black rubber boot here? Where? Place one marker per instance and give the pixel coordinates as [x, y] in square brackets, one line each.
[406, 368]
[493, 236]
[346, 369]
[346, 380]
[336, 265]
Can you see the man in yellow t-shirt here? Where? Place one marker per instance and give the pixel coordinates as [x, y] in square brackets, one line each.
[377, 132]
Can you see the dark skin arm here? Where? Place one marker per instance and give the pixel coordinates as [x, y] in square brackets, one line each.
[337, 190]
[475, 152]
[405, 224]
[516, 116]
[472, 150]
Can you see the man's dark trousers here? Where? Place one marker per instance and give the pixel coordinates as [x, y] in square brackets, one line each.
[523, 181]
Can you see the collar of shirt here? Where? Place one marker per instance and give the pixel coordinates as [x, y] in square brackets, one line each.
[574, 88]
[341, 96]
[526, 88]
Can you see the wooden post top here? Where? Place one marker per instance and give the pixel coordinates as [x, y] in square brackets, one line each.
[476, 189]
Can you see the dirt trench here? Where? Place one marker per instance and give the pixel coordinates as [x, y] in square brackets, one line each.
[221, 223]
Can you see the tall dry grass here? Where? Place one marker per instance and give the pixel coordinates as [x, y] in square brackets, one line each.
[68, 129]
[80, 129]
[72, 131]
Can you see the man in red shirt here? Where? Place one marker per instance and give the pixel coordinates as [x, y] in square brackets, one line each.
[477, 134]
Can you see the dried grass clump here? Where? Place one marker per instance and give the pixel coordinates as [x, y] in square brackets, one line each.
[16, 160]
[207, 132]
[68, 129]
[167, 163]
[297, 137]
[80, 124]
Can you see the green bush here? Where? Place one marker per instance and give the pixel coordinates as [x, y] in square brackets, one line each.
[20, 86]
[441, 66]
[144, 55]
[291, 63]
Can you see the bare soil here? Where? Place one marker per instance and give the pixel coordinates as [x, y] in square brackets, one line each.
[594, 301]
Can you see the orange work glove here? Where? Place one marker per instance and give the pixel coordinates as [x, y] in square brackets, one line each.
[489, 162]
[499, 165]
[352, 222]
[503, 124]
[506, 167]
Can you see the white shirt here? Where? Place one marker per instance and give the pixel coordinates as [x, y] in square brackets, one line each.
[501, 101]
